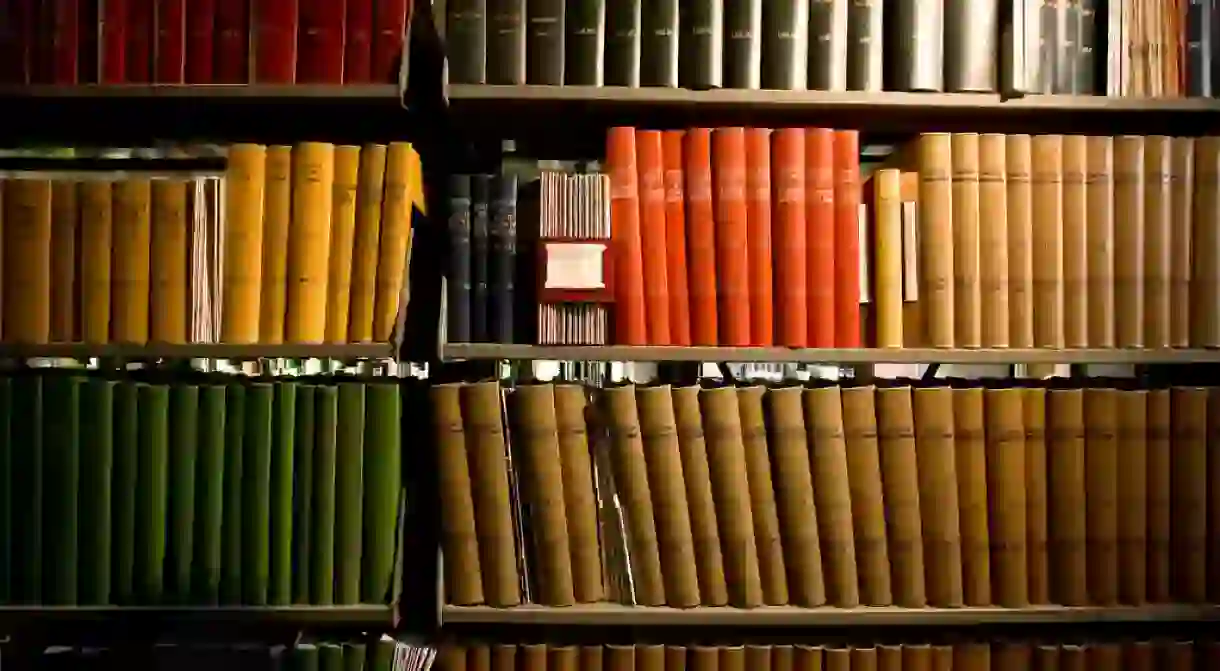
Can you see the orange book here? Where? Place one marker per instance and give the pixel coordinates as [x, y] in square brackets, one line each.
[652, 235]
[732, 260]
[629, 314]
[788, 167]
[820, 235]
[675, 238]
[700, 236]
[847, 238]
[758, 235]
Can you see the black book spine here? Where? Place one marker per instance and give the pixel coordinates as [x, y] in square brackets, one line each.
[506, 42]
[914, 45]
[544, 42]
[1049, 44]
[864, 54]
[1200, 23]
[466, 35]
[1067, 57]
[503, 235]
[743, 44]
[480, 330]
[701, 44]
[828, 45]
[659, 45]
[585, 43]
[785, 58]
[623, 43]
[1086, 48]
[457, 298]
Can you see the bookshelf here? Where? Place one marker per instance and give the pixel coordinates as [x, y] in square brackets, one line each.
[198, 351]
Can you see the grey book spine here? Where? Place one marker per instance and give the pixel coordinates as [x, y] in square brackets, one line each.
[544, 42]
[1021, 47]
[466, 36]
[914, 45]
[1200, 22]
[480, 254]
[743, 44]
[1086, 49]
[1048, 45]
[971, 45]
[865, 21]
[701, 44]
[659, 43]
[506, 41]
[1067, 49]
[623, 43]
[828, 45]
[785, 59]
[585, 22]
[457, 294]
[503, 261]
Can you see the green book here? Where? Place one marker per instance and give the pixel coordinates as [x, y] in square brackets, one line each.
[305, 657]
[96, 467]
[322, 541]
[382, 488]
[184, 448]
[61, 475]
[349, 493]
[330, 656]
[209, 492]
[381, 654]
[230, 541]
[353, 656]
[302, 492]
[256, 485]
[6, 493]
[123, 488]
[27, 488]
[283, 425]
[152, 495]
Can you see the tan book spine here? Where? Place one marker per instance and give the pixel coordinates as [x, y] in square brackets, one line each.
[342, 237]
[580, 504]
[1189, 493]
[758, 657]
[864, 659]
[900, 494]
[486, 452]
[972, 657]
[993, 240]
[277, 217]
[867, 505]
[532, 658]
[631, 481]
[762, 497]
[1101, 494]
[1205, 284]
[1018, 159]
[169, 262]
[832, 494]
[936, 235]
[313, 177]
[402, 175]
[1139, 656]
[675, 658]
[967, 292]
[1158, 202]
[936, 468]
[889, 658]
[1012, 657]
[65, 227]
[1046, 658]
[27, 262]
[942, 658]
[794, 496]
[1181, 258]
[562, 658]
[1036, 496]
[1099, 193]
[241, 287]
[1132, 465]
[591, 657]
[1104, 656]
[887, 257]
[659, 432]
[1160, 484]
[1213, 495]
[367, 240]
[1129, 240]
[451, 657]
[649, 657]
[129, 293]
[916, 657]
[709, 563]
[96, 226]
[1065, 424]
[1074, 658]
[1046, 185]
[1003, 411]
[1179, 655]
[1075, 242]
[620, 658]
[969, 434]
[783, 658]
[478, 658]
[704, 658]
[492, 658]
[730, 490]
[459, 538]
[837, 659]
[807, 658]
[732, 658]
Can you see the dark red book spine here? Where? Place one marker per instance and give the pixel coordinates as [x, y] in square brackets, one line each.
[41, 69]
[65, 58]
[141, 36]
[275, 42]
[847, 238]
[171, 42]
[358, 44]
[114, 41]
[200, 25]
[16, 34]
[389, 25]
[89, 29]
[232, 42]
[321, 41]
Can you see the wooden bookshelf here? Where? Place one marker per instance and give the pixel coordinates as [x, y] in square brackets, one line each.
[154, 351]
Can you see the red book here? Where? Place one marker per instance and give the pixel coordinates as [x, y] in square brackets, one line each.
[114, 42]
[847, 238]
[788, 161]
[320, 55]
[55, 30]
[200, 24]
[232, 42]
[758, 233]
[732, 252]
[629, 313]
[651, 169]
[275, 41]
[17, 40]
[141, 37]
[171, 42]
[389, 27]
[89, 28]
[358, 44]
[701, 237]
[675, 238]
[820, 236]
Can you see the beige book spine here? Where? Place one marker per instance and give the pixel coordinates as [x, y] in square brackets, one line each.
[366, 243]
[27, 263]
[649, 657]
[887, 265]
[1132, 476]
[130, 261]
[1129, 240]
[1099, 194]
[1101, 494]
[889, 658]
[709, 562]
[794, 496]
[241, 288]
[916, 657]
[972, 657]
[451, 657]
[675, 658]
[1205, 284]
[967, 295]
[1160, 487]
[479, 658]
[97, 218]
[170, 253]
[704, 658]
[732, 658]
[864, 659]
[936, 469]
[1046, 184]
[936, 256]
[1075, 242]
[1036, 496]
[342, 237]
[758, 657]
[867, 505]
[1181, 259]
[1065, 425]
[591, 658]
[807, 658]
[1018, 159]
[837, 659]
[459, 538]
[579, 498]
[277, 217]
[900, 494]
[783, 658]
[832, 494]
[942, 658]
[401, 179]
[993, 241]
[969, 433]
[65, 227]
[1012, 657]
[562, 658]
[1158, 203]
[313, 176]
[620, 658]
[532, 658]
[762, 497]
[1139, 656]
[1003, 411]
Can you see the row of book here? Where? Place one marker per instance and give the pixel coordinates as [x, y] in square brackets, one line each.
[1074, 493]
[202, 41]
[161, 488]
[1144, 48]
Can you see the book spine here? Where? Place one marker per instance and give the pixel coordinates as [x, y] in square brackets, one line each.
[1067, 47]
[242, 287]
[97, 219]
[275, 40]
[1205, 247]
[63, 59]
[763, 508]
[170, 46]
[544, 57]
[864, 45]
[370, 188]
[847, 271]
[184, 436]
[322, 512]
[701, 44]
[232, 47]
[993, 241]
[701, 245]
[358, 42]
[758, 234]
[1181, 261]
[96, 466]
[1129, 240]
[1132, 463]
[969, 429]
[820, 236]
[506, 41]
[131, 262]
[629, 318]
[342, 243]
[1158, 204]
[151, 495]
[1075, 241]
[867, 506]
[1099, 192]
[168, 273]
[65, 228]
[382, 489]
[1003, 411]
[659, 43]
[579, 495]
[900, 485]
[914, 43]
[793, 480]
[1086, 48]
[320, 46]
[349, 492]
[200, 22]
[459, 538]
[480, 330]
[788, 173]
[389, 28]
[27, 285]
[1200, 24]
[503, 257]
[935, 459]
[277, 218]
[1101, 494]
[255, 493]
[832, 496]
[584, 46]
[732, 260]
[967, 293]
[466, 38]
[1049, 22]
[313, 174]
[27, 494]
[1046, 185]
[305, 430]
[457, 296]
[403, 179]
[88, 49]
[114, 42]
[936, 287]
[62, 445]
[743, 44]
[828, 45]
[1017, 158]
[785, 45]
[887, 242]
[971, 45]
[623, 31]
[141, 40]
[676, 237]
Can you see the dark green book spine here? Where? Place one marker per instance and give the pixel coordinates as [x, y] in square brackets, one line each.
[256, 485]
[6, 493]
[382, 484]
[209, 489]
[302, 492]
[230, 542]
[353, 656]
[279, 591]
[123, 487]
[152, 498]
[61, 473]
[96, 467]
[349, 492]
[305, 657]
[330, 656]
[183, 457]
[381, 655]
[322, 564]
[27, 489]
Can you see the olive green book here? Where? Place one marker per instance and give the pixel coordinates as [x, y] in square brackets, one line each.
[382, 484]
[209, 495]
[349, 493]
[96, 469]
[381, 655]
[27, 489]
[322, 540]
[123, 487]
[302, 492]
[305, 657]
[183, 452]
[353, 656]
[152, 495]
[330, 655]
[61, 475]
[230, 534]
[256, 484]
[283, 425]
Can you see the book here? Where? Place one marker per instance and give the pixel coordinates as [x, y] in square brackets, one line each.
[623, 43]
[246, 182]
[789, 236]
[651, 181]
[545, 31]
[971, 32]
[865, 43]
[506, 45]
[659, 47]
[466, 33]
[785, 46]
[828, 45]
[742, 44]
[320, 46]
[584, 43]
[275, 39]
[913, 46]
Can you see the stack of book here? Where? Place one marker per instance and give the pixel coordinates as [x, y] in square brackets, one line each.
[158, 488]
[903, 494]
[203, 42]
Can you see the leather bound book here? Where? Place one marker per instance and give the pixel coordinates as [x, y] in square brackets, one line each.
[458, 536]
[27, 261]
[129, 294]
[700, 500]
[623, 30]
[358, 42]
[1066, 477]
[1075, 242]
[1200, 52]
[732, 259]
[1181, 261]
[1046, 180]
[320, 47]
[277, 217]
[847, 271]
[659, 43]
[141, 40]
[820, 226]
[480, 313]
[887, 262]
[900, 489]
[785, 57]
[170, 45]
[169, 262]
[865, 57]
[971, 34]
[1067, 47]
[65, 228]
[275, 42]
[651, 182]
[936, 237]
[676, 236]
[742, 44]
[506, 41]
[700, 44]
[936, 465]
[342, 243]
[759, 477]
[584, 45]
[1099, 196]
[200, 23]
[1087, 46]
[1188, 410]
[867, 504]
[967, 292]
[502, 261]
[789, 236]
[1132, 459]
[232, 41]
[544, 48]
[832, 494]
[993, 241]
[1018, 159]
[96, 226]
[245, 186]
[1158, 204]
[629, 308]
[1159, 494]
[1003, 411]
[1129, 240]
[914, 45]
[389, 26]
[580, 503]
[1036, 495]
[701, 235]
[969, 417]
[1205, 245]
[457, 323]
[828, 45]
[758, 235]
[1101, 494]
[793, 478]
[466, 40]
[113, 42]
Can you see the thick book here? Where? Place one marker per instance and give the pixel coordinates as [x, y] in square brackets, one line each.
[255, 494]
[459, 541]
[320, 50]
[1017, 162]
[847, 241]
[382, 485]
[1099, 196]
[868, 511]
[280, 479]
[1046, 185]
[349, 491]
[580, 503]
[993, 241]
[1159, 495]
[96, 468]
[828, 45]
[967, 290]
[1003, 411]
[701, 237]
[313, 174]
[170, 45]
[200, 22]
[304, 429]
[1066, 474]
[758, 234]
[275, 42]
[141, 40]
[26, 468]
[761, 491]
[545, 33]
[466, 38]
[935, 236]
[1036, 501]
[900, 494]
[865, 41]
[623, 40]
[389, 29]
[506, 41]
[131, 264]
[732, 256]
[1129, 240]
[1200, 52]
[584, 44]
[629, 301]
[322, 519]
[502, 259]
[1158, 155]
[112, 42]
[61, 489]
[709, 561]
[914, 45]
[820, 239]
[1075, 241]
[936, 464]
[971, 45]
[1101, 494]
[245, 181]
[277, 218]
[886, 187]
[969, 429]
[403, 187]
[701, 44]
[659, 43]
[1050, 22]
[168, 270]
[28, 278]
[672, 142]
[785, 57]
[358, 42]
[479, 249]
[1181, 261]
[832, 495]
[742, 44]
[1188, 407]
[1204, 317]
[788, 236]
[793, 481]
[232, 450]
[369, 192]
[457, 281]
[232, 42]
[651, 180]
[1132, 461]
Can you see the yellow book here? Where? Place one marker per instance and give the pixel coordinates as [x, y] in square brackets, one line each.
[313, 176]
[27, 262]
[242, 273]
[65, 220]
[343, 230]
[96, 222]
[170, 262]
[370, 185]
[277, 213]
[887, 235]
[129, 293]
[403, 180]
